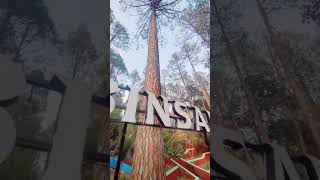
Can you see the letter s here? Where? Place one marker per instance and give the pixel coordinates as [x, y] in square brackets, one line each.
[178, 109]
[113, 89]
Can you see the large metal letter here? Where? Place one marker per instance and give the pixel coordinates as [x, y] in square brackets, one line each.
[113, 89]
[163, 113]
[178, 110]
[224, 162]
[66, 156]
[200, 120]
[130, 114]
[312, 165]
[279, 161]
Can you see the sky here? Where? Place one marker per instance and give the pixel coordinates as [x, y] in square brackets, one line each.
[137, 58]
[251, 21]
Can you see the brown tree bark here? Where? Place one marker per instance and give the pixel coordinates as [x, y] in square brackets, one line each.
[148, 158]
[281, 56]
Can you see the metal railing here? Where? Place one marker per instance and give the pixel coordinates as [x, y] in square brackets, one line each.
[101, 159]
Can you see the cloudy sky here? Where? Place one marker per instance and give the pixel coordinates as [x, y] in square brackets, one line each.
[137, 58]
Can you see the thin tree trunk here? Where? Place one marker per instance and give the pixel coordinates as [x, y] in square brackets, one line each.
[204, 104]
[302, 96]
[185, 85]
[207, 43]
[148, 157]
[114, 36]
[200, 84]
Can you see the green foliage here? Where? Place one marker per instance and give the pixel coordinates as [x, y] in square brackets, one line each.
[116, 130]
[119, 36]
[115, 138]
[172, 148]
[135, 78]
[117, 65]
[130, 139]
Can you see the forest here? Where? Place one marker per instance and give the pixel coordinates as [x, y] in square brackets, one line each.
[252, 63]
[175, 35]
[265, 73]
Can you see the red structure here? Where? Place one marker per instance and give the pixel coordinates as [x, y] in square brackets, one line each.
[189, 166]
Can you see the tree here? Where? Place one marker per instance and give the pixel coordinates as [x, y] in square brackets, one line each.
[280, 54]
[151, 166]
[118, 34]
[117, 65]
[135, 78]
[175, 90]
[119, 38]
[172, 148]
[188, 52]
[196, 19]
[176, 67]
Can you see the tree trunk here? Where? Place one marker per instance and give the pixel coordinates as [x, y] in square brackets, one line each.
[148, 158]
[185, 85]
[206, 42]
[200, 84]
[281, 56]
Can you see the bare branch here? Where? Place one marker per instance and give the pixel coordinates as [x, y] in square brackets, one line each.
[144, 11]
[168, 4]
[137, 5]
[146, 20]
